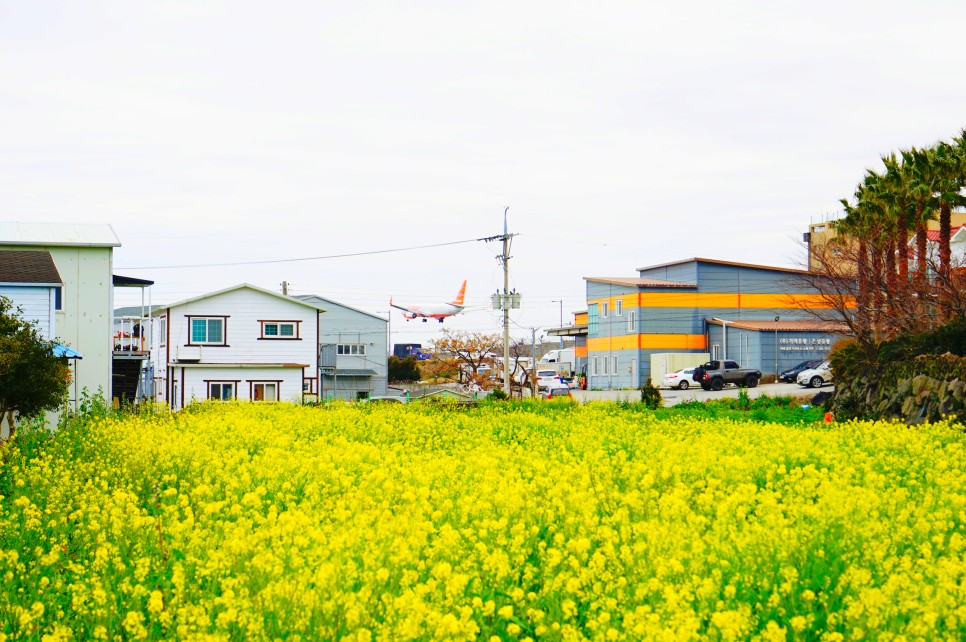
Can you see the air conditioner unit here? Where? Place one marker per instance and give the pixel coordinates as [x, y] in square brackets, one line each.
[189, 353]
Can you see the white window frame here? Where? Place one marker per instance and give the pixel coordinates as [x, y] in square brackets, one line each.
[279, 334]
[613, 366]
[632, 322]
[618, 307]
[594, 366]
[715, 351]
[221, 385]
[604, 309]
[163, 330]
[206, 341]
[351, 350]
[264, 385]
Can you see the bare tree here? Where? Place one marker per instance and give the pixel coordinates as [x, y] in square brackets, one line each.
[471, 351]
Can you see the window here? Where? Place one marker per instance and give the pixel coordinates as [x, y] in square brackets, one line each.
[618, 307]
[613, 365]
[280, 329]
[207, 331]
[604, 364]
[221, 391]
[265, 391]
[592, 319]
[632, 322]
[604, 309]
[163, 330]
[593, 366]
[59, 298]
[353, 349]
[362, 394]
[715, 349]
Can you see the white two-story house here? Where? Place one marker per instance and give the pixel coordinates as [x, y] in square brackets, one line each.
[243, 342]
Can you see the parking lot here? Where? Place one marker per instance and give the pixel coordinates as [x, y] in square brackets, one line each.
[672, 397]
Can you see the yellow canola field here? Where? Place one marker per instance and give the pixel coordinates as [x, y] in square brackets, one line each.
[533, 522]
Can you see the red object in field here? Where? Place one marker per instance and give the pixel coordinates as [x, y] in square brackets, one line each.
[829, 418]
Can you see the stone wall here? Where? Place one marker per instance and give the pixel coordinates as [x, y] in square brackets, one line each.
[921, 390]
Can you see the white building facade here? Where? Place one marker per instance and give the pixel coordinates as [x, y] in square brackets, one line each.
[241, 343]
[83, 256]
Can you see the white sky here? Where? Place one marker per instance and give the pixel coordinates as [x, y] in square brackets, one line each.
[620, 134]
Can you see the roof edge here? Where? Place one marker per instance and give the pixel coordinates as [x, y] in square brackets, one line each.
[698, 259]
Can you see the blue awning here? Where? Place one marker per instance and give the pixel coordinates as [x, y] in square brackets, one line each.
[67, 353]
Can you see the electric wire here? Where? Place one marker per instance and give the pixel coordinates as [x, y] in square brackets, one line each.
[305, 258]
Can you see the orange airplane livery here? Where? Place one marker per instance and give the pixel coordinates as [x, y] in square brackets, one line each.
[438, 311]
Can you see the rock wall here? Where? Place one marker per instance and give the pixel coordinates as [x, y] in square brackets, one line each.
[921, 390]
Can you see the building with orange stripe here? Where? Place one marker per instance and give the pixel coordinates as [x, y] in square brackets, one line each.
[757, 315]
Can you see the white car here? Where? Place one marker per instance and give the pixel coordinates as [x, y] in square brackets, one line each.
[816, 377]
[680, 379]
[547, 379]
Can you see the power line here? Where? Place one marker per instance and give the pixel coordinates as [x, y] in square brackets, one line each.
[307, 258]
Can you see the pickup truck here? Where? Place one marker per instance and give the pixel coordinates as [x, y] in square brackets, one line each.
[714, 375]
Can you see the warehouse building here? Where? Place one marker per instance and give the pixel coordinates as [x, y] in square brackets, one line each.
[757, 315]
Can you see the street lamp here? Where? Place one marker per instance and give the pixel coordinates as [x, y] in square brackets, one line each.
[560, 301]
[777, 319]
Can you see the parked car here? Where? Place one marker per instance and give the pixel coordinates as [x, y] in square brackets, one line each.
[680, 379]
[791, 375]
[558, 392]
[816, 377]
[716, 374]
[547, 378]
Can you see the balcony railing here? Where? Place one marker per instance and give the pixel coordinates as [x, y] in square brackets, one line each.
[132, 334]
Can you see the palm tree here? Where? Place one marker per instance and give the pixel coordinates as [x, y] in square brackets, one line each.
[947, 165]
[897, 190]
[916, 163]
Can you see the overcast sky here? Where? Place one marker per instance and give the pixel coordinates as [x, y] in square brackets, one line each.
[620, 134]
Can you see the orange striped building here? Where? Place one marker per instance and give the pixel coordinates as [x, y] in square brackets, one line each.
[758, 315]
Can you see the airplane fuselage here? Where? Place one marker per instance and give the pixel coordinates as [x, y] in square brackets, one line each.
[438, 311]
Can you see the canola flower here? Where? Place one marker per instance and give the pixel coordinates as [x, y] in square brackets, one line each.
[515, 522]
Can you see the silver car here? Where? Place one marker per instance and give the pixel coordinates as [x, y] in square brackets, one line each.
[816, 377]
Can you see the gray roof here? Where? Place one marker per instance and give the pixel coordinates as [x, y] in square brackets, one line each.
[35, 267]
[58, 234]
[137, 310]
[698, 259]
[330, 302]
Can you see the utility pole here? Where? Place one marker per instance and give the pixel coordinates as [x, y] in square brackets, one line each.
[506, 308]
[533, 361]
[285, 288]
[560, 301]
[505, 300]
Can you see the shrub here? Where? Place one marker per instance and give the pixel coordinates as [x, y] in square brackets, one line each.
[651, 395]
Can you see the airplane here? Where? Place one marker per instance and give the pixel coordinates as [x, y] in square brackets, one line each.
[438, 311]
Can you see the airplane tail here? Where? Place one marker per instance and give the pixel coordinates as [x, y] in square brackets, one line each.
[459, 297]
